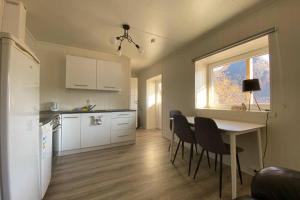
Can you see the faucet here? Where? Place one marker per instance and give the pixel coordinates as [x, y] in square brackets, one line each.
[91, 107]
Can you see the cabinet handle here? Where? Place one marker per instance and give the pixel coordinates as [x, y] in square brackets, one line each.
[109, 87]
[122, 124]
[70, 117]
[79, 85]
[122, 135]
[123, 114]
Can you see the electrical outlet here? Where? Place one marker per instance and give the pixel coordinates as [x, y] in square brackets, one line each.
[273, 115]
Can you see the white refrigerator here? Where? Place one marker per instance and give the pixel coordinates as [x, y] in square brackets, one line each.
[19, 120]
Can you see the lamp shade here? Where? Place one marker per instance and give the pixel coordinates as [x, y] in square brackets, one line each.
[250, 85]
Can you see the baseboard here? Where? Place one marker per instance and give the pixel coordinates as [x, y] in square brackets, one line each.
[75, 151]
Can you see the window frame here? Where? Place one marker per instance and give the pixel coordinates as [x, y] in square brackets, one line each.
[230, 60]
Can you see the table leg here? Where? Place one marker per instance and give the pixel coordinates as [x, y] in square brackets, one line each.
[260, 154]
[172, 144]
[233, 164]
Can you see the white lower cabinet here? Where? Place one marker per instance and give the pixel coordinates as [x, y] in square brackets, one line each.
[122, 135]
[122, 127]
[70, 131]
[95, 129]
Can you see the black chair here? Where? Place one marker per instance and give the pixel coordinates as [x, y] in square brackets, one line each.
[171, 115]
[209, 137]
[185, 134]
[275, 183]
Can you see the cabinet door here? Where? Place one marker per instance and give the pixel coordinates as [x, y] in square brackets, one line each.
[70, 131]
[81, 73]
[95, 129]
[109, 75]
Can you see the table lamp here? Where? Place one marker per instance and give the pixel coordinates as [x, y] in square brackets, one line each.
[250, 85]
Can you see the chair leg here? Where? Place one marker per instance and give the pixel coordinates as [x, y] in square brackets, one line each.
[216, 161]
[191, 157]
[208, 160]
[198, 165]
[169, 147]
[239, 168]
[220, 184]
[196, 148]
[182, 149]
[176, 152]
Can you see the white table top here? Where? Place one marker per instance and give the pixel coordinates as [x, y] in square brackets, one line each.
[232, 126]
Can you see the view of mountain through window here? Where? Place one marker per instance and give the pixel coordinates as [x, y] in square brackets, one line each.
[261, 70]
[226, 81]
[227, 84]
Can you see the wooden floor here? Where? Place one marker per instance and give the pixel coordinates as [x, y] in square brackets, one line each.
[140, 171]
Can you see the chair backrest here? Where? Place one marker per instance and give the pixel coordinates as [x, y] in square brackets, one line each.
[171, 115]
[208, 135]
[182, 129]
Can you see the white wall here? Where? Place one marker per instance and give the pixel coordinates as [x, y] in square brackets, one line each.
[52, 88]
[179, 75]
[1, 15]
[52, 84]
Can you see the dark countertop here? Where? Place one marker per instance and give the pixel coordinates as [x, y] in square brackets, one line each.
[78, 111]
[47, 115]
[46, 118]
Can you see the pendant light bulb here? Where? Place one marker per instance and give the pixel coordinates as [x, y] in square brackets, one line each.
[114, 41]
[140, 50]
[119, 50]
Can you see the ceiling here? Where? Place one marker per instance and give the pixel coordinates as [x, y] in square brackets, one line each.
[90, 24]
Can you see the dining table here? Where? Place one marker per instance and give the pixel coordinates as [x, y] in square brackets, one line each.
[232, 129]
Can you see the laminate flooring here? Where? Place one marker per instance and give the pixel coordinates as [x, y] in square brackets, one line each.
[141, 171]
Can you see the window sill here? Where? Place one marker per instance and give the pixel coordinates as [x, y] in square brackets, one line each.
[253, 116]
[230, 110]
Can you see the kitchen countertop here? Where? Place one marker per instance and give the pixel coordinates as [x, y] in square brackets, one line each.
[44, 119]
[47, 115]
[93, 111]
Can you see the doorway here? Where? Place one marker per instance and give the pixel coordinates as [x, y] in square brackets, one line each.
[134, 97]
[154, 103]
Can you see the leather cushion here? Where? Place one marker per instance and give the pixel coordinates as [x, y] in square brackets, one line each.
[276, 183]
[245, 198]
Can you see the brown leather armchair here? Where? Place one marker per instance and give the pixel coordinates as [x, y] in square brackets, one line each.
[275, 183]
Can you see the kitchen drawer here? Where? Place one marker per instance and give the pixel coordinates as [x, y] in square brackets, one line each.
[122, 135]
[123, 114]
[123, 123]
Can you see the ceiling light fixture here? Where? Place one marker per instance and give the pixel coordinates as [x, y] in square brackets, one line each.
[123, 37]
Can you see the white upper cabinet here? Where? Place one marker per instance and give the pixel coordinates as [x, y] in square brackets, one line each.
[109, 75]
[14, 18]
[81, 73]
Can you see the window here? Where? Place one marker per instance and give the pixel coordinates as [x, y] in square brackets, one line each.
[226, 84]
[219, 78]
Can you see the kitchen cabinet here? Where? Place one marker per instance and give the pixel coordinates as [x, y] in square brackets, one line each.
[122, 127]
[82, 132]
[95, 129]
[109, 75]
[70, 131]
[81, 73]
[14, 18]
